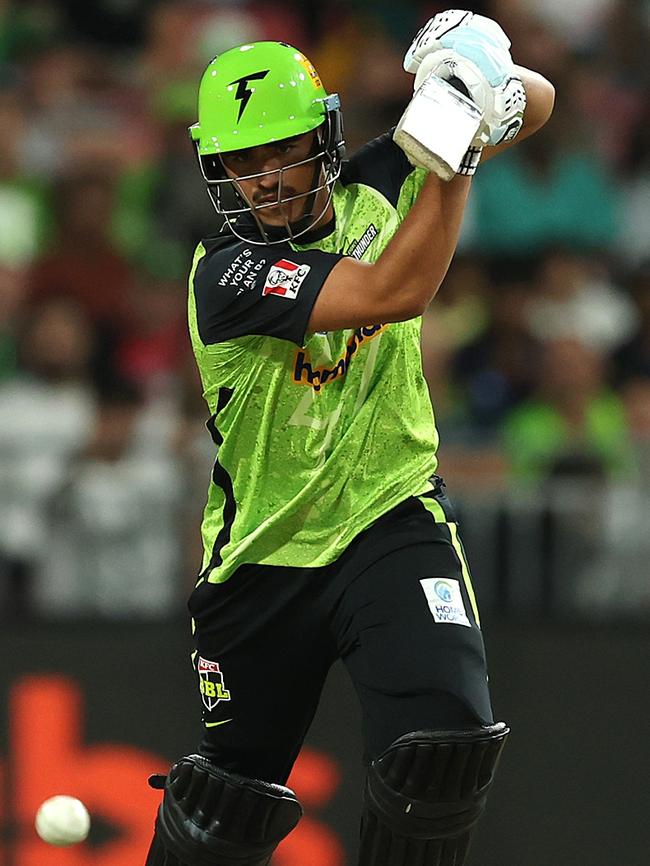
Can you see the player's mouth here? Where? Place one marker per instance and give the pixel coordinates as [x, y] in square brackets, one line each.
[273, 210]
[271, 200]
[267, 199]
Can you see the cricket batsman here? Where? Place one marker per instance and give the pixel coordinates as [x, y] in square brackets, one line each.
[327, 533]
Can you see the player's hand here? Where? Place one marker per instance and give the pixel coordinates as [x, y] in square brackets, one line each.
[504, 120]
[501, 97]
[472, 51]
[461, 30]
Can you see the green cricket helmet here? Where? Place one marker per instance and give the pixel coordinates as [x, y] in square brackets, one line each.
[256, 94]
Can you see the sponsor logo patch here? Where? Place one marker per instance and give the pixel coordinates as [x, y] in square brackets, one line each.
[211, 684]
[285, 278]
[358, 248]
[445, 600]
[311, 72]
[242, 271]
[306, 373]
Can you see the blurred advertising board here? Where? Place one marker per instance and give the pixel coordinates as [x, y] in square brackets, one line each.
[91, 709]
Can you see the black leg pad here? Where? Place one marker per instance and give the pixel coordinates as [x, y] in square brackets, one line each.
[211, 817]
[424, 795]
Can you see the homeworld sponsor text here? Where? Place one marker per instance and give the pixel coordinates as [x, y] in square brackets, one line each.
[304, 373]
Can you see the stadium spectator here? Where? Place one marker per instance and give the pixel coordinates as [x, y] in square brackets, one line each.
[496, 369]
[573, 426]
[23, 197]
[153, 342]
[83, 264]
[12, 296]
[113, 548]
[632, 360]
[574, 297]
[46, 415]
[551, 192]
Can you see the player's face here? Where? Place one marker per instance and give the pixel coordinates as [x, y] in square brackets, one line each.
[274, 182]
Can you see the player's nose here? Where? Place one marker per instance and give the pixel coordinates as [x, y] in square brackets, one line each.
[269, 178]
[269, 160]
[268, 184]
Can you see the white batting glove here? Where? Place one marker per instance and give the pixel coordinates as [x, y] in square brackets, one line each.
[502, 100]
[448, 29]
[471, 53]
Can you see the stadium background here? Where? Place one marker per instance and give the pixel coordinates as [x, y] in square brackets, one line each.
[537, 352]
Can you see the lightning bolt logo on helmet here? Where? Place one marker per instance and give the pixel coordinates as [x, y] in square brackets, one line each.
[243, 94]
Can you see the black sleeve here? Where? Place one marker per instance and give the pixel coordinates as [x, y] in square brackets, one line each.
[380, 164]
[248, 289]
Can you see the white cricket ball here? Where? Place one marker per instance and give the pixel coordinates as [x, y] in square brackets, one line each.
[62, 820]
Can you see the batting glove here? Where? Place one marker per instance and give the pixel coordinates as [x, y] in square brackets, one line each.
[456, 28]
[502, 99]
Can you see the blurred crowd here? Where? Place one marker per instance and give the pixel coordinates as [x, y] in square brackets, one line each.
[536, 349]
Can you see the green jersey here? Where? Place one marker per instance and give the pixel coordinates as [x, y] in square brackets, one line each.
[318, 434]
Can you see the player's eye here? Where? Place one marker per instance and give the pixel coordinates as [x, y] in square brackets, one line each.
[237, 160]
[284, 149]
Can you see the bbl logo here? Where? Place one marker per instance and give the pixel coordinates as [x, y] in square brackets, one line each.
[211, 684]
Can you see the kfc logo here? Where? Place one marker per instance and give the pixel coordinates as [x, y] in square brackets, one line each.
[285, 279]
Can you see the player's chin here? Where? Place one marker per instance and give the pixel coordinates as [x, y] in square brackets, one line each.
[276, 215]
[271, 216]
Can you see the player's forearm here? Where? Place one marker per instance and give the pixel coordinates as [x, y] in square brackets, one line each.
[415, 262]
[540, 95]
[540, 99]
